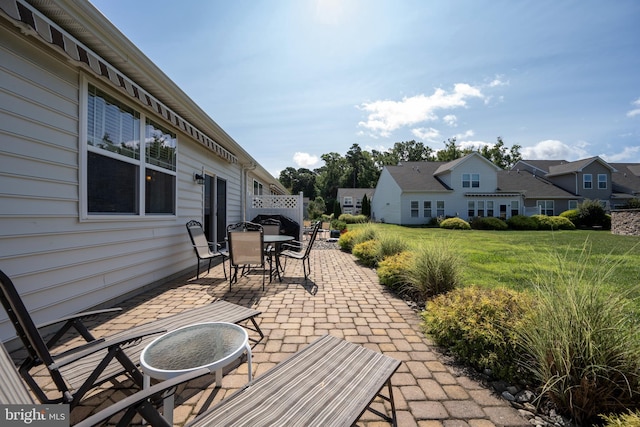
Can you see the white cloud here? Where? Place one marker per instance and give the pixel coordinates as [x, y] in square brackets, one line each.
[498, 82]
[461, 136]
[426, 134]
[305, 160]
[450, 120]
[385, 116]
[474, 145]
[551, 149]
[628, 155]
[636, 111]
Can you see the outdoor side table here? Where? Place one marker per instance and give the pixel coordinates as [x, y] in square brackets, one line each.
[203, 345]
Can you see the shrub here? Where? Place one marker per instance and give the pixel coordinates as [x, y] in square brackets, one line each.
[435, 269]
[478, 326]
[455, 224]
[629, 419]
[367, 252]
[590, 213]
[336, 224]
[358, 235]
[522, 222]
[553, 223]
[391, 270]
[572, 215]
[584, 345]
[488, 223]
[353, 219]
[632, 204]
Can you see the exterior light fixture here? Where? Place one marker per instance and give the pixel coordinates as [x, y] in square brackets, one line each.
[199, 179]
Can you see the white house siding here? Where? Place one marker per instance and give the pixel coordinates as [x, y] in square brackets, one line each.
[388, 208]
[60, 263]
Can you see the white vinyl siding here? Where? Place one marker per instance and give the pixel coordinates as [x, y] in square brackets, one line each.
[62, 265]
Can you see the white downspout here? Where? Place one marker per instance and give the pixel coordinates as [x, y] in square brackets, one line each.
[243, 189]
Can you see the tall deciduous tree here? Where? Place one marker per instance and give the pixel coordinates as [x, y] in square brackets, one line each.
[500, 155]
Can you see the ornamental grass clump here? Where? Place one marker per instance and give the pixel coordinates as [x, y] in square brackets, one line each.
[358, 235]
[583, 339]
[435, 268]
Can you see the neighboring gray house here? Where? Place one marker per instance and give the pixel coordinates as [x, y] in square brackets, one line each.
[103, 159]
[593, 178]
[350, 199]
[412, 193]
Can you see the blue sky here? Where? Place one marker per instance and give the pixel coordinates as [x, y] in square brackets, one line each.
[291, 80]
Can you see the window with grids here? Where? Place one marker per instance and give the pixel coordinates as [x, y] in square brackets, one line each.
[545, 207]
[470, 180]
[440, 208]
[602, 181]
[471, 208]
[426, 209]
[414, 209]
[120, 180]
[587, 181]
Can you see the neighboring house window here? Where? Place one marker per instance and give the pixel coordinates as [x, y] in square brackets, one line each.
[440, 208]
[602, 181]
[257, 188]
[515, 208]
[348, 211]
[414, 209]
[471, 208]
[545, 207]
[348, 201]
[489, 208]
[358, 202]
[587, 181]
[115, 166]
[573, 204]
[470, 180]
[426, 209]
[480, 207]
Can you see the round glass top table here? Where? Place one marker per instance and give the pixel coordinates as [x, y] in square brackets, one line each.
[204, 345]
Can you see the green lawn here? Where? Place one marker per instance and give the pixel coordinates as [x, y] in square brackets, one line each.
[511, 258]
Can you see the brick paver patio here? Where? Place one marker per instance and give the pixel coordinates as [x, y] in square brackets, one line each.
[341, 298]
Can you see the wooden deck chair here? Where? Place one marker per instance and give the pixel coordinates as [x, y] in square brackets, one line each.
[76, 371]
[331, 382]
[246, 250]
[297, 251]
[205, 250]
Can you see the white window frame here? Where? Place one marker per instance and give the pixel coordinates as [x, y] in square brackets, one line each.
[572, 204]
[414, 207]
[587, 178]
[141, 162]
[348, 201]
[602, 181]
[427, 211]
[546, 207]
[258, 188]
[471, 208]
[440, 208]
[470, 180]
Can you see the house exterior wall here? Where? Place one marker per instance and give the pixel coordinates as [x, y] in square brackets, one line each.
[473, 165]
[61, 262]
[386, 208]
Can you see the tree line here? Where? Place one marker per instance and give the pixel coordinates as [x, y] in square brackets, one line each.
[361, 169]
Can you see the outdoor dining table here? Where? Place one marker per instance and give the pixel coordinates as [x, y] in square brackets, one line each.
[277, 240]
[211, 345]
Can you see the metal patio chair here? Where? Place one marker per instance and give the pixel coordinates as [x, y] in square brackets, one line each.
[204, 249]
[246, 250]
[301, 253]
